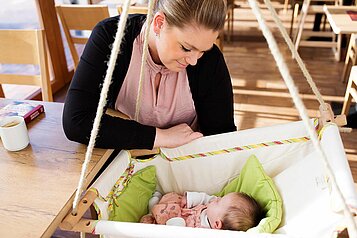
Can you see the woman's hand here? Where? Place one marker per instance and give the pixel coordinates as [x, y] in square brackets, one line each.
[175, 136]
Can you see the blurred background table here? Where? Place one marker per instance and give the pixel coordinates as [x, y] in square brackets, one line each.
[340, 20]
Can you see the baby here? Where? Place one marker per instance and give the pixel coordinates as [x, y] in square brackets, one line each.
[234, 211]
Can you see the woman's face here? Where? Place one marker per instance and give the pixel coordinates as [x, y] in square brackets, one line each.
[176, 48]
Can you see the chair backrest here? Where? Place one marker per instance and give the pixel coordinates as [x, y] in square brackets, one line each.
[26, 47]
[351, 91]
[316, 6]
[79, 17]
[93, 1]
[134, 10]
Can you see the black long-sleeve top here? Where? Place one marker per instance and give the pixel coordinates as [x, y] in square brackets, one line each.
[209, 82]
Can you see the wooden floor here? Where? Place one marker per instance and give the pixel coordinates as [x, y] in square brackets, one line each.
[260, 95]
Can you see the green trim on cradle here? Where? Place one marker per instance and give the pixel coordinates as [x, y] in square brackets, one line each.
[239, 148]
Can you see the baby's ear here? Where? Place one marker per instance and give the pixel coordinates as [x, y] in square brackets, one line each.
[217, 224]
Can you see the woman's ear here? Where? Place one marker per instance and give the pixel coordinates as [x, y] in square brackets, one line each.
[217, 224]
[158, 22]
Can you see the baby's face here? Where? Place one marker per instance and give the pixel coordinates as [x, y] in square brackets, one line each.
[217, 208]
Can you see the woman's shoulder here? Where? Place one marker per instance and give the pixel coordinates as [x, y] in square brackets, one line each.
[133, 21]
[213, 53]
[106, 29]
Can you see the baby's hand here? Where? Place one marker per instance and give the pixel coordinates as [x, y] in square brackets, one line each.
[214, 199]
[183, 201]
[149, 219]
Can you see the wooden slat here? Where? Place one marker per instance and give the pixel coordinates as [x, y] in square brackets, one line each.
[85, 225]
[78, 40]
[350, 91]
[340, 9]
[353, 93]
[319, 44]
[20, 79]
[316, 9]
[319, 33]
[49, 22]
[94, 1]
[79, 17]
[26, 47]
[134, 10]
[45, 83]
[72, 219]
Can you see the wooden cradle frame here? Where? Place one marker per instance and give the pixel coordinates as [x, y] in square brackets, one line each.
[77, 223]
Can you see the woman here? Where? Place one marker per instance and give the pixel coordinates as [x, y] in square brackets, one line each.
[186, 91]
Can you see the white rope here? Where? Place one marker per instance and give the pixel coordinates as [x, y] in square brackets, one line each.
[300, 107]
[144, 57]
[102, 101]
[295, 54]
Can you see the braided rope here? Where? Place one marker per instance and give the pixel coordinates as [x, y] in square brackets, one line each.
[295, 54]
[144, 57]
[300, 107]
[102, 102]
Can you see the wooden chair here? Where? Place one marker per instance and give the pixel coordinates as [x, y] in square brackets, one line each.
[351, 57]
[315, 7]
[134, 10]
[26, 47]
[230, 18]
[79, 17]
[93, 1]
[295, 5]
[351, 91]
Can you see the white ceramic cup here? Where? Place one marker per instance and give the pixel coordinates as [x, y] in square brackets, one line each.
[13, 132]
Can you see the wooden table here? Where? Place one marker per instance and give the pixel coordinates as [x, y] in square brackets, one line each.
[37, 184]
[340, 22]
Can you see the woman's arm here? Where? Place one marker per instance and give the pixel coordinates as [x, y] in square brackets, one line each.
[84, 92]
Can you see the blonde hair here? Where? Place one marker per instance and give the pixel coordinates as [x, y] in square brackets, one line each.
[207, 13]
[245, 213]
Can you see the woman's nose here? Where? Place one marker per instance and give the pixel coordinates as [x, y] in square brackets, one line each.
[191, 60]
[193, 57]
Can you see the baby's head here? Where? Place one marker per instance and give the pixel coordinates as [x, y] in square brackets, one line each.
[234, 211]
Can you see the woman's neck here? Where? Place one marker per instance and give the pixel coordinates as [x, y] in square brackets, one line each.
[152, 46]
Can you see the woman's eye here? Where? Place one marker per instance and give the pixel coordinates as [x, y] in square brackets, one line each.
[185, 49]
